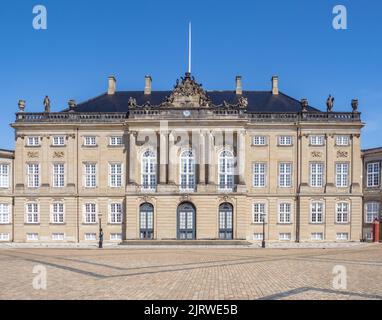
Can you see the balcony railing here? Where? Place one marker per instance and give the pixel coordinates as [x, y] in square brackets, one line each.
[71, 117]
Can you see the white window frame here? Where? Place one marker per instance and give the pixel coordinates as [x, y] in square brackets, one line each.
[287, 238]
[340, 236]
[259, 141]
[32, 213]
[87, 234]
[258, 236]
[5, 213]
[90, 175]
[115, 236]
[259, 212]
[115, 213]
[316, 174]
[317, 140]
[58, 236]
[115, 175]
[90, 141]
[58, 175]
[90, 215]
[35, 236]
[33, 141]
[342, 174]
[373, 172]
[33, 175]
[313, 236]
[372, 211]
[317, 212]
[226, 176]
[4, 175]
[149, 170]
[4, 236]
[343, 212]
[57, 213]
[187, 170]
[285, 140]
[116, 141]
[342, 140]
[58, 141]
[285, 174]
[259, 172]
[285, 213]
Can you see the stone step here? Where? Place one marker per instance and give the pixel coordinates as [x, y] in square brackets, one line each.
[186, 242]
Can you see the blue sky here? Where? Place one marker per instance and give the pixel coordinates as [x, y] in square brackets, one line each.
[88, 40]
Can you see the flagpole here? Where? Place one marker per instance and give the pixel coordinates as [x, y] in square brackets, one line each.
[189, 46]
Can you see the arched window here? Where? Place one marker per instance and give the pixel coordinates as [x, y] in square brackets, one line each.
[226, 176]
[149, 164]
[187, 170]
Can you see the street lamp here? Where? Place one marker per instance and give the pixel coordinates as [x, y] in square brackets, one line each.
[100, 244]
[263, 241]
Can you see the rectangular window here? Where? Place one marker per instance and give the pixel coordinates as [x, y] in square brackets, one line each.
[90, 237]
[373, 174]
[372, 211]
[90, 213]
[259, 175]
[342, 214]
[369, 236]
[58, 175]
[4, 175]
[116, 141]
[90, 141]
[32, 213]
[4, 213]
[342, 174]
[115, 175]
[4, 237]
[33, 141]
[317, 212]
[90, 175]
[115, 237]
[33, 175]
[32, 236]
[58, 212]
[284, 236]
[342, 236]
[317, 140]
[285, 140]
[115, 213]
[285, 175]
[58, 141]
[258, 236]
[285, 213]
[316, 174]
[58, 236]
[342, 140]
[317, 236]
[259, 141]
[259, 212]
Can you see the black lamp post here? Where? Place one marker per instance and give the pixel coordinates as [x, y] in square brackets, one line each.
[100, 244]
[263, 241]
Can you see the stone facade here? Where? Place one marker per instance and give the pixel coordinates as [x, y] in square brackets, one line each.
[372, 160]
[193, 166]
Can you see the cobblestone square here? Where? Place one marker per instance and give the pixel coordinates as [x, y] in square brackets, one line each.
[192, 273]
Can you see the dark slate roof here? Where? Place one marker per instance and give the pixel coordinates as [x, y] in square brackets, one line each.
[258, 101]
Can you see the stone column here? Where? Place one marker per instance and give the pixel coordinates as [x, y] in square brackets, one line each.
[211, 159]
[172, 157]
[241, 156]
[132, 157]
[163, 154]
[202, 158]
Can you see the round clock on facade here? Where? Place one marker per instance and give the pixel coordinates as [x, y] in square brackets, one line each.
[187, 113]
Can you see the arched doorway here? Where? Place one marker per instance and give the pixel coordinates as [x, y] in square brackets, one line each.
[226, 221]
[186, 222]
[146, 221]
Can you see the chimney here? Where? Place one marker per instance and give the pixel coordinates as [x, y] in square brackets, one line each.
[148, 82]
[275, 85]
[112, 85]
[239, 88]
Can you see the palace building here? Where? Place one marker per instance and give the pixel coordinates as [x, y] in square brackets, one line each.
[186, 164]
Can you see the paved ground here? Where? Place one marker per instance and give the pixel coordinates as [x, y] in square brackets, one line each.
[192, 273]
